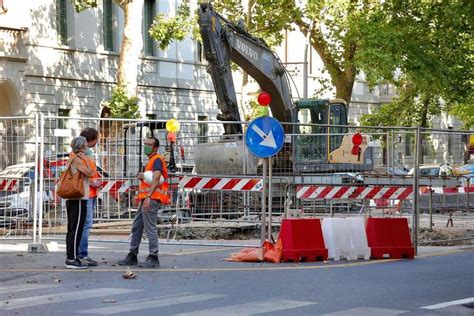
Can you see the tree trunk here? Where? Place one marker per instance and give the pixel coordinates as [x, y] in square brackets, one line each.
[424, 113]
[424, 124]
[132, 44]
[344, 88]
[342, 79]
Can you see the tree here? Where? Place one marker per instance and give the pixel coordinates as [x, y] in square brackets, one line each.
[330, 25]
[131, 47]
[430, 43]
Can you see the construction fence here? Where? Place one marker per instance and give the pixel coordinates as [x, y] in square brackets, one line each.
[214, 177]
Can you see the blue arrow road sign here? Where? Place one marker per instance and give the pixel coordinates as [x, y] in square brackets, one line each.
[264, 137]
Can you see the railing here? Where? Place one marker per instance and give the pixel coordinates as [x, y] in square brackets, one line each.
[11, 43]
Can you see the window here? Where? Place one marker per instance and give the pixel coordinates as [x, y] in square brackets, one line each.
[202, 129]
[107, 20]
[450, 141]
[151, 117]
[61, 21]
[63, 124]
[148, 16]
[408, 140]
[200, 52]
[304, 117]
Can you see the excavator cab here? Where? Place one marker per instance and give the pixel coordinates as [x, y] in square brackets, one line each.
[320, 131]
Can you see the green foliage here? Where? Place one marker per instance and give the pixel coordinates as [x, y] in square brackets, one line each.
[122, 106]
[411, 108]
[165, 30]
[256, 110]
[431, 44]
[465, 112]
[81, 5]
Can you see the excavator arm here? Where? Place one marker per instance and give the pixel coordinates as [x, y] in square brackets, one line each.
[224, 42]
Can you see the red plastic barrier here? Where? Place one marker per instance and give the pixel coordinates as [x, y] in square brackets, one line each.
[302, 240]
[389, 236]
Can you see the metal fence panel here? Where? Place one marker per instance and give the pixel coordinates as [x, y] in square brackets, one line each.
[321, 157]
[17, 156]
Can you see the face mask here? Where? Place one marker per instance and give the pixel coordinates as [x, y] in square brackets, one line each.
[89, 152]
[147, 150]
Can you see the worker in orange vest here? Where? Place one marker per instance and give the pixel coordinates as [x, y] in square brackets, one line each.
[151, 197]
[92, 137]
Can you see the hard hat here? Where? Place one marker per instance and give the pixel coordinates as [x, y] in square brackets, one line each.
[148, 178]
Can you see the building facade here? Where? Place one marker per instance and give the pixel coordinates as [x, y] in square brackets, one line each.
[60, 62]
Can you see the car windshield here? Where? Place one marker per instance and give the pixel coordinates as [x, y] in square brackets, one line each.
[17, 172]
[429, 172]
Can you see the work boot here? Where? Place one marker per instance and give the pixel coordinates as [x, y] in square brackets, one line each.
[150, 262]
[130, 260]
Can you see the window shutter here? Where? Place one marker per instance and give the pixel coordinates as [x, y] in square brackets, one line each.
[148, 16]
[107, 20]
[61, 21]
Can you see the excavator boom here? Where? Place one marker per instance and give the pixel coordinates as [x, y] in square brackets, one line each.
[224, 42]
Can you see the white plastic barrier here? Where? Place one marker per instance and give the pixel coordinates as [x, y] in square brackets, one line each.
[346, 238]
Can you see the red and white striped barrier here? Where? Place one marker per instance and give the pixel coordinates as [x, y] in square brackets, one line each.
[8, 184]
[447, 190]
[307, 192]
[224, 184]
[115, 186]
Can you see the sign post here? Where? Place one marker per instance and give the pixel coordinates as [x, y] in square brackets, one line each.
[264, 138]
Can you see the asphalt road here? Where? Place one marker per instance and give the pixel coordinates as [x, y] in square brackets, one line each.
[196, 281]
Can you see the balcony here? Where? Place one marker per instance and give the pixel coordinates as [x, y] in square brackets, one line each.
[12, 43]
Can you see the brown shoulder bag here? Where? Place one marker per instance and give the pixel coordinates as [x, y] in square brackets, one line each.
[70, 185]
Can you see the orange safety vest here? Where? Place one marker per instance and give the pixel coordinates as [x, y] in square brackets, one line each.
[161, 193]
[92, 191]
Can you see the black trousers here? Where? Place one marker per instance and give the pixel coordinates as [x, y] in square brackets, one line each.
[76, 217]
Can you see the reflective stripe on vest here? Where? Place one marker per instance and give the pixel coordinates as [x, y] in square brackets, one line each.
[161, 193]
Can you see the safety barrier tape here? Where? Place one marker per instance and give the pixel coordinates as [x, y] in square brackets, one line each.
[8, 185]
[115, 186]
[447, 190]
[223, 184]
[307, 192]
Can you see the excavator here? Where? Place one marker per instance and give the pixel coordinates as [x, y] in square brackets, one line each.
[325, 147]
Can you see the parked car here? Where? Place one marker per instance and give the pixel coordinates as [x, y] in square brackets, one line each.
[17, 201]
[467, 170]
[443, 170]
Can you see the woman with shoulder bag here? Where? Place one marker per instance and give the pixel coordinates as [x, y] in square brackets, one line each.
[77, 207]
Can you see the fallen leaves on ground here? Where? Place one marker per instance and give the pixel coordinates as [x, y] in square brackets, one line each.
[129, 274]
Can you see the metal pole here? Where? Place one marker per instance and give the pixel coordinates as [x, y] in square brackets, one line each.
[416, 192]
[468, 184]
[387, 153]
[41, 180]
[431, 208]
[221, 205]
[270, 197]
[305, 62]
[35, 182]
[264, 201]
[393, 153]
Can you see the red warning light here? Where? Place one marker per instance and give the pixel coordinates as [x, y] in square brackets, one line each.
[264, 98]
[357, 139]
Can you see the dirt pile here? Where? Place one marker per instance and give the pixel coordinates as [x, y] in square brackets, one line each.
[446, 237]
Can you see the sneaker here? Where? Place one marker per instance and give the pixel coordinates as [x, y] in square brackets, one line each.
[150, 262]
[130, 260]
[75, 264]
[88, 262]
